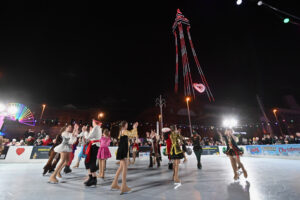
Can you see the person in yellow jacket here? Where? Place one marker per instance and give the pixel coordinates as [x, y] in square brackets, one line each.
[176, 152]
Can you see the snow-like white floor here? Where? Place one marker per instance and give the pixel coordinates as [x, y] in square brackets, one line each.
[268, 179]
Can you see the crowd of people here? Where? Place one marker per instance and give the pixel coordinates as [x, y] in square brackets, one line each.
[41, 138]
[267, 139]
[31, 139]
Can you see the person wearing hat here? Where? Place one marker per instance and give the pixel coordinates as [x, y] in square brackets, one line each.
[196, 139]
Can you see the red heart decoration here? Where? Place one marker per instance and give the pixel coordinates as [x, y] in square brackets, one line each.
[199, 87]
[19, 151]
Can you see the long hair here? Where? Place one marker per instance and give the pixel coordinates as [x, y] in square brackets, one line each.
[63, 129]
[106, 132]
[121, 125]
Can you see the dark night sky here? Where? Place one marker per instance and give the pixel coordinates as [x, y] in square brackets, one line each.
[93, 54]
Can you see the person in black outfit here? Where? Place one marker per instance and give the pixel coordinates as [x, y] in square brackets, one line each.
[123, 155]
[233, 152]
[197, 148]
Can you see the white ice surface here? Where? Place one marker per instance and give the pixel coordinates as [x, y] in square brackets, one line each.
[268, 179]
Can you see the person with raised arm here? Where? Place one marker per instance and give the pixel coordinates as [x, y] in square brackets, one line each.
[103, 152]
[82, 141]
[234, 153]
[91, 153]
[64, 149]
[123, 154]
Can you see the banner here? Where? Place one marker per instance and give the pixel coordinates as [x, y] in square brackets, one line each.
[18, 154]
[210, 150]
[254, 150]
[40, 152]
[3, 152]
[274, 150]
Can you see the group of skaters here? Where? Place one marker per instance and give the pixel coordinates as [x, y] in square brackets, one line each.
[95, 151]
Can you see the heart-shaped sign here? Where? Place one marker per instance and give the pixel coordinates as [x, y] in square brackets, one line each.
[199, 87]
[19, 151]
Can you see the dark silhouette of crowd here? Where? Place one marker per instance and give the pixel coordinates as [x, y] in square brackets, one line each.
[30, 138]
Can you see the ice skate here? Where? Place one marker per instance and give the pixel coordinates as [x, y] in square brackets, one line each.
[125, 190]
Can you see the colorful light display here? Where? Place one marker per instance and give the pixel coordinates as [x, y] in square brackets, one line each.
[19, 112]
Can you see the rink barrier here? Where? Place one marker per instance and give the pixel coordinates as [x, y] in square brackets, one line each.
[32, 154]
[285, 151]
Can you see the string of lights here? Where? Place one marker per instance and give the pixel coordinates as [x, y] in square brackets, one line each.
[285, 16]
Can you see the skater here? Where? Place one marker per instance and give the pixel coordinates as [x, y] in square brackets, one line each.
[154, 154]
[196, 139]
[123, 154]
[167, 133]
[82, 141]
[184, 150]
[176, 153]
[135, 150]
[67, 168]
[64, 149]
[103, 152]
[233, 152]
[91, 153]
[53, 156]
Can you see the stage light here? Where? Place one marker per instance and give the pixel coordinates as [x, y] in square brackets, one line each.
[12, 110]
[239, 2]
[229, 123]
[286, 20]
[2, 107]
[100, 115]
[259, 3]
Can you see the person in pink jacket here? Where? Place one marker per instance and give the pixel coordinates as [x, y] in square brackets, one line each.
[103, 152]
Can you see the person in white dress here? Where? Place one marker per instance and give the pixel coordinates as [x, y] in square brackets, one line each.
[82, 141]
[91, 153]
[64, 150]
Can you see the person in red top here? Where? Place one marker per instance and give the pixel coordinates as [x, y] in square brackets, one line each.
[47, 141]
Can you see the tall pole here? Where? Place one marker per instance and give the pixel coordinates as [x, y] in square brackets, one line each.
[43, 109]
[161, 103]
[189, 114]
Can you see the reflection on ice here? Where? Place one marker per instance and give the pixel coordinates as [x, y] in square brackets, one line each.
[239, 190]
[270, 179]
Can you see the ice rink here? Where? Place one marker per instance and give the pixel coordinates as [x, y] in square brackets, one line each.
[268, 179]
